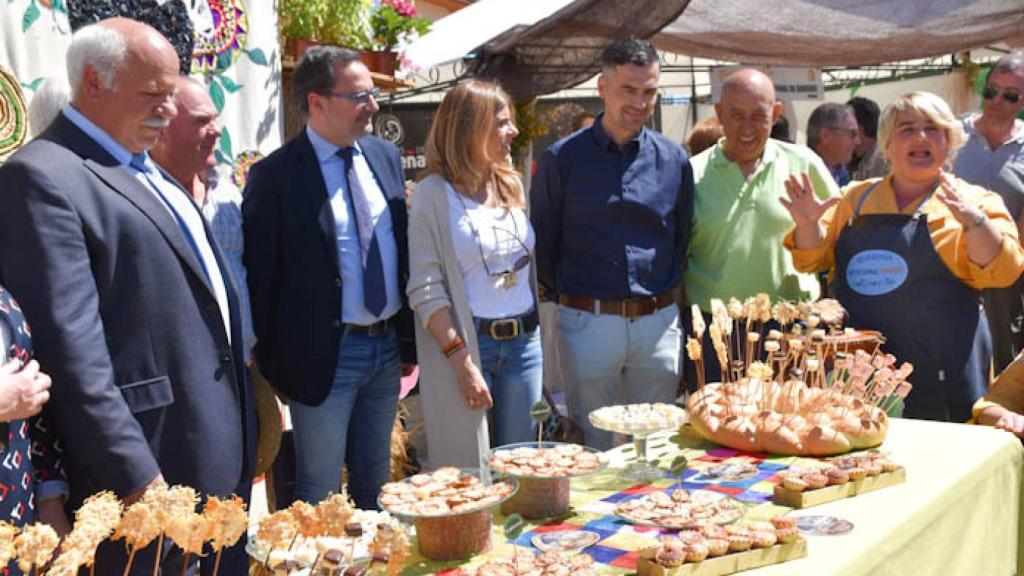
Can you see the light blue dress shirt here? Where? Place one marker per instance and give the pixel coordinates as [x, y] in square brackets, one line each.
[222, 209]
[169, 193]
[332, 167]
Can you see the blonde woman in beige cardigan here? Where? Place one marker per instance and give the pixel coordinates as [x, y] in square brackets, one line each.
[471, 281]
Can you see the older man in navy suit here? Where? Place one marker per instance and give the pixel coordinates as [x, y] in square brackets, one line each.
[128, 296]
[325, 247]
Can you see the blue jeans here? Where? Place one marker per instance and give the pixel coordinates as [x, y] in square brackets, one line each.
[353, 425]
[514, 371]
[608, 359]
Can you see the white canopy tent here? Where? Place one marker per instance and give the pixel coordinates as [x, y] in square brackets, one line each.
[460, 33]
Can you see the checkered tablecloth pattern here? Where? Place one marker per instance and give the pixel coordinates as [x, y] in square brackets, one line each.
[595, 497]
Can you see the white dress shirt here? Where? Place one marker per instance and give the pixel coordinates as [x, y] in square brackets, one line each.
[332, 167]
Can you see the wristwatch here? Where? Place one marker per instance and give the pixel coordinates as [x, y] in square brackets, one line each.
[977, 221]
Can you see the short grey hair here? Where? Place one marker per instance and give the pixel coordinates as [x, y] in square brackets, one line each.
[53, 94]
[314, 74]
[825, 116]
[97, 46]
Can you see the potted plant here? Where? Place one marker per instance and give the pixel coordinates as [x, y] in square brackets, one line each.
[310, 22]
[392, 25]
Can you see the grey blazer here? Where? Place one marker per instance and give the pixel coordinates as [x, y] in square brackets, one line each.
[145, 380]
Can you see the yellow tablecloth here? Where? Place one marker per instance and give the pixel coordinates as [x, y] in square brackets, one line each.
[959, 512]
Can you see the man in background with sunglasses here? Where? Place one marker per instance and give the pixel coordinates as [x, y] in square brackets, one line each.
[994, 159]
[324, 221]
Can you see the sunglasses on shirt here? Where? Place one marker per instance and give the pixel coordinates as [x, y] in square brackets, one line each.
[1010, 97]
[518, 265]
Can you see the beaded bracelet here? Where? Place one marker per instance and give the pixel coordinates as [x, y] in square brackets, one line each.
[455, 345]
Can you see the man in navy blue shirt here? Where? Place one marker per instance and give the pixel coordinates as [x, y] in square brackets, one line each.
[611, 206]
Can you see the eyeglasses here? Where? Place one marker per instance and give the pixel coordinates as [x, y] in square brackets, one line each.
[851, 132]
[359, 98]
[1009, 97]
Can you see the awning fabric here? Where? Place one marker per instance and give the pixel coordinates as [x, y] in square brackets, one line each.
[838, 32]
[536, 47]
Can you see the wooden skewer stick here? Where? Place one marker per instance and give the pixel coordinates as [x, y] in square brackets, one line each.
[159, 550]
[216, 562]
[131, 558]
[184, 564]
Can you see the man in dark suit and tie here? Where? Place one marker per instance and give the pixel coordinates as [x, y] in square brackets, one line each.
[325, 248]
[126, 291]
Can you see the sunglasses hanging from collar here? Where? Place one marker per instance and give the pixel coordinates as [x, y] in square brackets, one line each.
[509, 277]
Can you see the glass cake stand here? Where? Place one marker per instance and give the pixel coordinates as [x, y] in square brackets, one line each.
[640, 469]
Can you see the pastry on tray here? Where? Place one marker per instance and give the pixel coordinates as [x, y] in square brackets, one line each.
[680, 509]
[444, 492]
[634, 418]
[814, 475]
[793, 390]
[557, 461]
[550, 563]
[713, 541]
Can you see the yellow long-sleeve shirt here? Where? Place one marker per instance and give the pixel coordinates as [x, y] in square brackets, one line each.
[1007, 390]
[946, 232]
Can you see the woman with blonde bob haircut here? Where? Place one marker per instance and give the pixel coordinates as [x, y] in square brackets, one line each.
[909, 253]
[472, 283]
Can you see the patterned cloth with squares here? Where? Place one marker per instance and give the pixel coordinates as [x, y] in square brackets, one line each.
[747, 477]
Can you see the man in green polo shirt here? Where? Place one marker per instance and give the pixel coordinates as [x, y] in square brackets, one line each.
[738, 222]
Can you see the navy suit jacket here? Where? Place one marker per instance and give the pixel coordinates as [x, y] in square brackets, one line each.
[291, 257]
[144, 378]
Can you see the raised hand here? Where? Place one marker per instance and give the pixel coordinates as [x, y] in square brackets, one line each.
[965, 213]
[804, 206]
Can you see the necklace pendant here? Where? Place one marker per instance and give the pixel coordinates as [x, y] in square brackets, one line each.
[508, 279]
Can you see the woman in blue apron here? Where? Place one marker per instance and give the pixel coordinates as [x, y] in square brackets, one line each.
[910, 253]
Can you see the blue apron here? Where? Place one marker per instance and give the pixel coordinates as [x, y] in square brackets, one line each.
[890, 278]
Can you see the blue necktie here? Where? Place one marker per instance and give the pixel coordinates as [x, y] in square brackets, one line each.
[374, 292]
[138, 162]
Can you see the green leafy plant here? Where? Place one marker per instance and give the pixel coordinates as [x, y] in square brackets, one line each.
[340, 22]
[395, 22]
[531, 123]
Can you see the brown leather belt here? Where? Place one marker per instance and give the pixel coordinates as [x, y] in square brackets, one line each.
[630, 308]
[373, 330]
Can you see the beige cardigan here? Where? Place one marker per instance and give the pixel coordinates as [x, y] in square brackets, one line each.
[456, 434]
